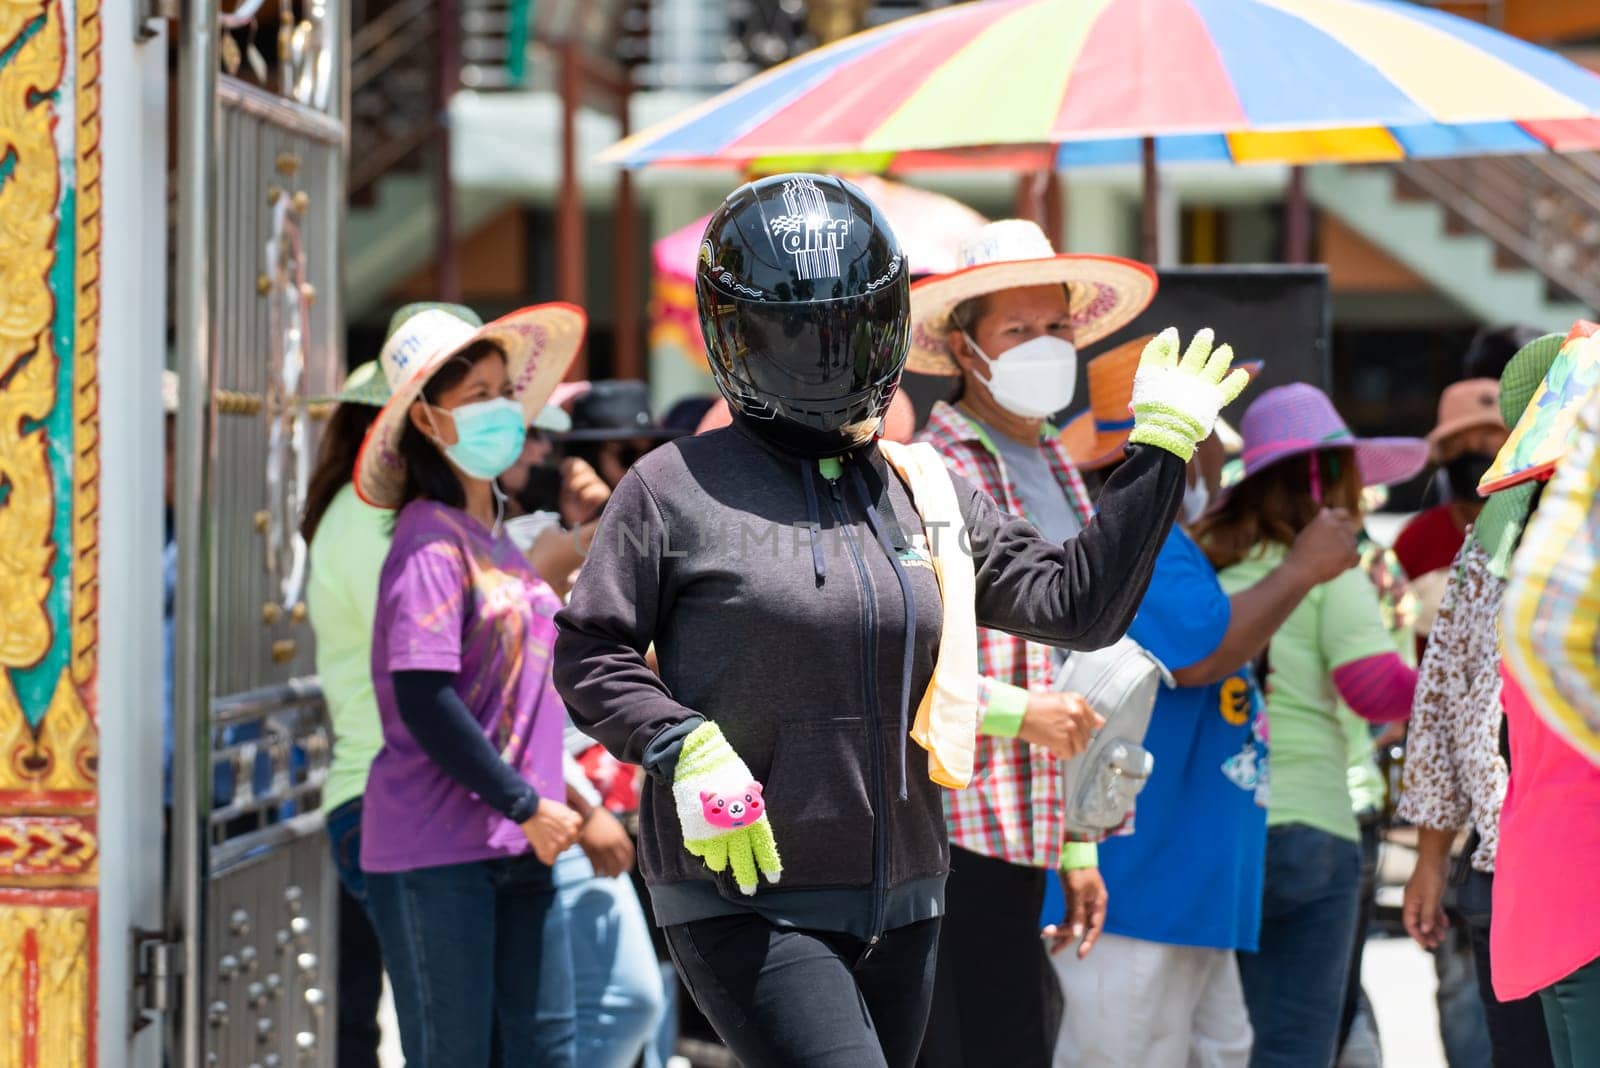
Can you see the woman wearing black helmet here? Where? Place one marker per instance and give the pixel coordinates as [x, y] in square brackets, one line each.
[775, 565]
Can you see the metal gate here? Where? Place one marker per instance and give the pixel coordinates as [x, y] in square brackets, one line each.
[260, 202]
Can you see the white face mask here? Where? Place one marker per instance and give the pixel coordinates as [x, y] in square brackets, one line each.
[1196, 499]
[1035, 379]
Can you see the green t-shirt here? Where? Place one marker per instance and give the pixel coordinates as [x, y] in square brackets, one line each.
[1368, 790]
[341, 596]
[1336, 624]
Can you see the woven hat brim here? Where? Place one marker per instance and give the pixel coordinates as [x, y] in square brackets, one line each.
[1107, 293]
[1525, 373]
[539, 342]
[373, 393]
[1541, 436]
[1382, 461]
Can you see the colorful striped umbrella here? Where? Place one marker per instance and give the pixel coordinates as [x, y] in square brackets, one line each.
[1027, 84]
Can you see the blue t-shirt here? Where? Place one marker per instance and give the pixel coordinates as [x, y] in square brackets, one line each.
[1190, 874]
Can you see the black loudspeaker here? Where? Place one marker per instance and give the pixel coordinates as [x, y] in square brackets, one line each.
[1278, 314]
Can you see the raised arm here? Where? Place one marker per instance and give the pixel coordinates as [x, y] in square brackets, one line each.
[1083, 594]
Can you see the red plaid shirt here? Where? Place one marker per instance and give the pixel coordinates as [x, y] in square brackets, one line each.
[1013, 808]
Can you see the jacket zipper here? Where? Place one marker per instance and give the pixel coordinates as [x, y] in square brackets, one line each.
[880, 839]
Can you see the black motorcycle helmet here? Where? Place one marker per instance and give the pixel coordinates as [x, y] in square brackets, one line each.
[804, 305]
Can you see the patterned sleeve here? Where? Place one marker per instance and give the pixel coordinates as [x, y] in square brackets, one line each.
[1552, 605]
[1431, 795]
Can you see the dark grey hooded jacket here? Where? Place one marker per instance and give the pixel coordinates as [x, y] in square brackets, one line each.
[777, 601]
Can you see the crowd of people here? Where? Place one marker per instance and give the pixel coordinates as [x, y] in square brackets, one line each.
[766, 700]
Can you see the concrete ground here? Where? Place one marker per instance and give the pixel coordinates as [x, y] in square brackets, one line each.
[1398, 977]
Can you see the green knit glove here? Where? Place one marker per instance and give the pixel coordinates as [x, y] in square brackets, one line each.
[721, 810]
[1175, 402]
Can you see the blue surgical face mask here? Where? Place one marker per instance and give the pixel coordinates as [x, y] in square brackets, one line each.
[489, 436]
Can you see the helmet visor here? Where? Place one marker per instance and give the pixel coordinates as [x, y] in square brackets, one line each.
[808, 353]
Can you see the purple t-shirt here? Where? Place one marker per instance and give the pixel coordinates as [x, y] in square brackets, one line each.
[455, 597]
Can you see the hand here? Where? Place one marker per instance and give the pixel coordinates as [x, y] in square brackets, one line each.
[721, 810]
[607, 845]
[1326, 548]
[1175, 402]
[1085, 891]
[1060, 722]
[583, 492]
[1422, 911]
[551, 829]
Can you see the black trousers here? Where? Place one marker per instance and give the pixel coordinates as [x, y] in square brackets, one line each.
[810, 999]
[996, 1000]
[1516, 1028]
[360, 981]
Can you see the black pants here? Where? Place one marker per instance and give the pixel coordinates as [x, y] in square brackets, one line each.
[996, 999]
[360, 964]
[360, 985]
[1516, 1028]
[811, 999]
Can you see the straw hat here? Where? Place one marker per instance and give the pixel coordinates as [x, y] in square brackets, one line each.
[1505, 513]
[1464, 406]
[1095, 438]
[1106, 292]
[364, 385]
[1547, 425]
[539, 342]
[1298, 419]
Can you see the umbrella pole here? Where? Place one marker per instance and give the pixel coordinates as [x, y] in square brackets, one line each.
[1038, 197]
[1150, 230]
[1297, 219]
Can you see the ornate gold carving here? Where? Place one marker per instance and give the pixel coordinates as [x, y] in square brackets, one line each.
[86, 362]
[38, 848]
[233, 402]
[60, 756]
[288, 164]
[283, 650]
[271, 612]
[45, 980]
[48, 772]
[27, 361]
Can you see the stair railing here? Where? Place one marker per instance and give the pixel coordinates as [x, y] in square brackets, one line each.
[393, 96]
[1543, 210]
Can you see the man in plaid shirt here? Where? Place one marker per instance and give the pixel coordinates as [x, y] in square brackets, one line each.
[1008, 324]
[1013, 811]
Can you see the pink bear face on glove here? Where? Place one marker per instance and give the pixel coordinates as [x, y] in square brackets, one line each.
[733, 810]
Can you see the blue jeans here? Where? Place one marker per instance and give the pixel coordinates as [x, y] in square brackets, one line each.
[616, 979]
[1294, 985]
[344, 838]
[479, 958]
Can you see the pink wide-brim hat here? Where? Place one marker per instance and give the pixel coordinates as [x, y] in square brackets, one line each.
[1299, 418]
